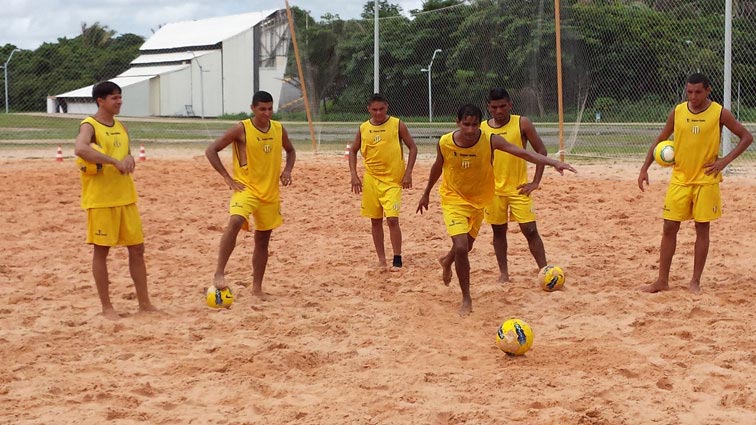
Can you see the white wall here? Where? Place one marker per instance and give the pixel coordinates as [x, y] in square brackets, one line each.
[136, 100]
[271, 80]
[175, 90]
[209, 82]
[238, 70]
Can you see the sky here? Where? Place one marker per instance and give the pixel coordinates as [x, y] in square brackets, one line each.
[29, 23]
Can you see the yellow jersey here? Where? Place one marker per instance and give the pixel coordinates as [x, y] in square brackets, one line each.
[468, 177]
[696, 142]
[264, 150]
[240, 170]
[108, 188]
[509, 171]
[381, 150]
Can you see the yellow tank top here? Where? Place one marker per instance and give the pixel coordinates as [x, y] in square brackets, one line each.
[263, 160]
[382, 152]
[108, 188]
[467, 173]
[510, 171]
[696, 141]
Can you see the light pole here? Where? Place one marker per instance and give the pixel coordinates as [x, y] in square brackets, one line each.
[430, 89]
[5, 69]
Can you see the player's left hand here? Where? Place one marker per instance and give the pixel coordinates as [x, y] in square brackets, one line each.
[407, 182]
[528, 188]
[286, 178]
[561, 166]
[715, 167]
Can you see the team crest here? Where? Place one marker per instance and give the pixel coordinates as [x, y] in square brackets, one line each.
[267, 148]
[695, 129]
[465, 163]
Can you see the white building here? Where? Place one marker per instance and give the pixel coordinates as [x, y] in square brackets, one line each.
[204, 68]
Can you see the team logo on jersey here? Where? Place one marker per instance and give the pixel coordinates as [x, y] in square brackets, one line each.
[377, 138]
[267, 149]
[466, 163]
[695, 129]
[116, 142]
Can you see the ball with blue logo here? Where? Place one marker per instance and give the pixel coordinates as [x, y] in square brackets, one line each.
[219, 298]
[551, 278]
[514, 337]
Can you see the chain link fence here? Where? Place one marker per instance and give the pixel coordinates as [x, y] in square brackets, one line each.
[624, 68]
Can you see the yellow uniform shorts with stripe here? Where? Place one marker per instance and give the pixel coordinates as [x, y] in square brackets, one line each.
[380, 199]
[514, 207]
[267, 215]
[702, 203]
[461, 219]
[114, 226]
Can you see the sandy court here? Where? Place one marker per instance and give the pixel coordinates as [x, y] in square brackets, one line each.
[338, 342]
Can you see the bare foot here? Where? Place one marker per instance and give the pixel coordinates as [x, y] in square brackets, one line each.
[395, 269]
[148, 308]
[504, 278]
[446, 275]
[110, 314]
[695, 287]
[219, 281]
[656, 287]
[258, 292]
[465, 308]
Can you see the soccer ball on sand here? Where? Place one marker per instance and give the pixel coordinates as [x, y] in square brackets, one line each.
[514, 337]
[551, 278]
[664, 153]
[219, 298]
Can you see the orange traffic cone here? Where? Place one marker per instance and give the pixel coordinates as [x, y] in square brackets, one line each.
[142, 153]
[346, 151]
[59, 155]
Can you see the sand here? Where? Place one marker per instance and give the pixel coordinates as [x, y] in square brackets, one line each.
[338, 342]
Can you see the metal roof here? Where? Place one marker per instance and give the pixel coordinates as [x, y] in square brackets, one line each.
[132, 76]
[203, 32]
[169, 57]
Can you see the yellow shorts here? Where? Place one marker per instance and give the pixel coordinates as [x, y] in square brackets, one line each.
[461, 219]
[515, 207]
[702, 203]
[114, 226]
[267, 215]
[380, 199]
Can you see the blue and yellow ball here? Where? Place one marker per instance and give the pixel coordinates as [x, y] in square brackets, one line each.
[551, 278]
[514, 337]
[219, 298]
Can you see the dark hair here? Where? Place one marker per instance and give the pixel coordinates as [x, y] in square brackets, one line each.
[103, 89]
[498, 93]
[469, 110]
[376, 97]
[698, 78]
[261, 96]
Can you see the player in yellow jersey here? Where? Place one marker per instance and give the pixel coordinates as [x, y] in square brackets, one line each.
[693, 191]
[109, 195]
[465, 158]
[257, 145]
[379, 140]
[512, 200]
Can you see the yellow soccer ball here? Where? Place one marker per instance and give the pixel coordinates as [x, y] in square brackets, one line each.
[664, 153]
[87, 167]
[551, 278]
[514, 337]
[219, 298]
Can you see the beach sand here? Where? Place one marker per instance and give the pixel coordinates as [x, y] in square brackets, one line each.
[339, 342]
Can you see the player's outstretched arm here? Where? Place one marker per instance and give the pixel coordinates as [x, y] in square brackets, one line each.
[498, 142]
[291, 157]
[233, 134]
[404, 134]
[669, 127]
[435, 174]
[353, 149]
